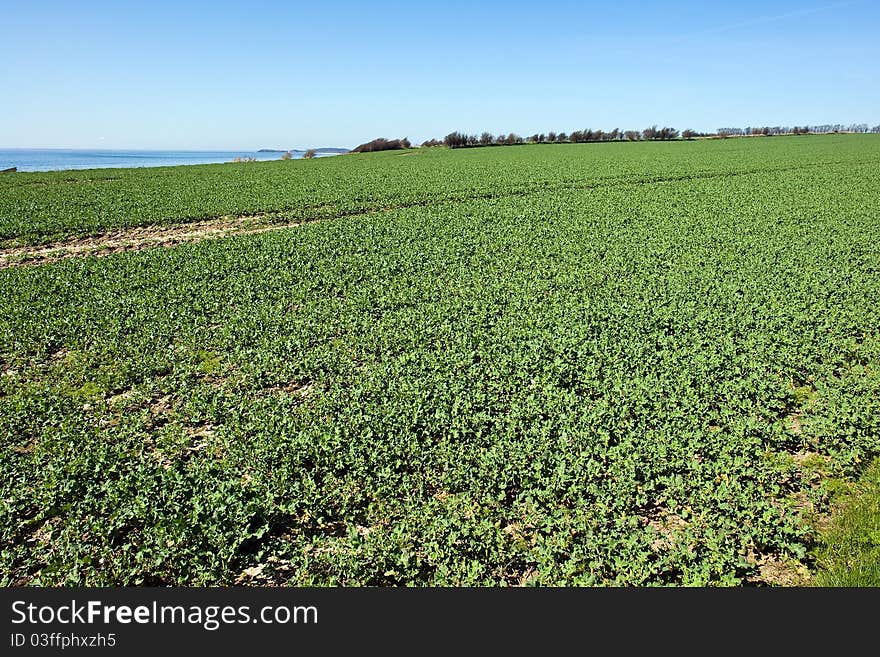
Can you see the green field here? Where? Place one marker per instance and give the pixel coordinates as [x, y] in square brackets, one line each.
[622, 363]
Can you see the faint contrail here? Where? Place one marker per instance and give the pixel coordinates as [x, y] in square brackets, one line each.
[769, 19]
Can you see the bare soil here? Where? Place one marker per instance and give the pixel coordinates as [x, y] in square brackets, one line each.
[134, 239]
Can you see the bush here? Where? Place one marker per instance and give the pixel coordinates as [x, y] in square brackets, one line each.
[309, 154]
[382, 144]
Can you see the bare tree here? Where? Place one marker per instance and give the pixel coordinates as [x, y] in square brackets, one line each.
[455, 140]
[659, 133]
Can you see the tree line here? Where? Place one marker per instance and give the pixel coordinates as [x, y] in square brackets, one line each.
[824, 129]
[463, 140]
[653, 133]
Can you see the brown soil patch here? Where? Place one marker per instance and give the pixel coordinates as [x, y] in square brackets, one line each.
[274, 572]
[295, 388]
[205, 430]
[161, 406]
[667, 525]
[26, 448]
[806, 457]
[121, 399]
[200, 436]
[778, 571]
[134, 239]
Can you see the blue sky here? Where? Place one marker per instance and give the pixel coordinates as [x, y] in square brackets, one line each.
[217, 75]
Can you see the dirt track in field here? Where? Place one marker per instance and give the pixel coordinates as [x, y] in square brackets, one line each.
[135, 239]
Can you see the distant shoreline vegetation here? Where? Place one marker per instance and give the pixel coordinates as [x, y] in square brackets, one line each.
[653, 133]
[462, 140]
[382, 144]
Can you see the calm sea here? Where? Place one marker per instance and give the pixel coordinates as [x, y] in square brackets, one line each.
[56, 159]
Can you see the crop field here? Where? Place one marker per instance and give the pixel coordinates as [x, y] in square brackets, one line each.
[586, 364]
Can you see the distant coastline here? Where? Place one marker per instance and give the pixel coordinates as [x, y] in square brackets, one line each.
[61, 159]
[323, 149]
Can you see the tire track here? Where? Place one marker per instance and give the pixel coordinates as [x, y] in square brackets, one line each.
[167, 236]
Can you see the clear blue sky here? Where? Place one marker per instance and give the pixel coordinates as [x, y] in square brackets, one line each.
[216, 75]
